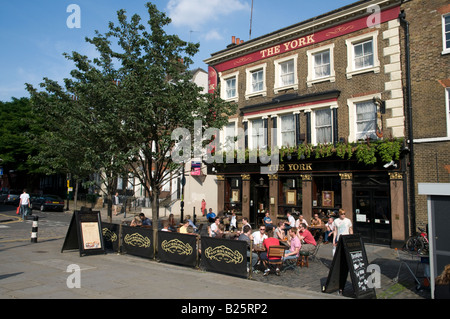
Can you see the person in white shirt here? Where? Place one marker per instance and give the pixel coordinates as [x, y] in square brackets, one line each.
[24, 204]
[342, 226]
[259, 236]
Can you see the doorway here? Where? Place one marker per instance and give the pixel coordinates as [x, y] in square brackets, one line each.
[259, 199]
[372, 212]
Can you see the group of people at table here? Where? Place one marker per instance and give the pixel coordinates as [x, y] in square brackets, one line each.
[297, 235]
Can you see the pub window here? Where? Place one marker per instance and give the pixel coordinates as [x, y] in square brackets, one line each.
[286, 73]
[290, 195]
[326, 195]
[258, 134]
[362, 54]
[321, 65]
[288, 129]
[366, 117]
[323, 126]
[446, 33]
[255, 80]
[229, 86]
[233, 195]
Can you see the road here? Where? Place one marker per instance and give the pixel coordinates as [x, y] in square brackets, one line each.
[50, 224]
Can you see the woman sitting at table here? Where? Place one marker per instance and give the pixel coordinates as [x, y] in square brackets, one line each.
[136, 222]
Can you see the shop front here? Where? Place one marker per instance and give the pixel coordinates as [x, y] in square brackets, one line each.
[372, 197]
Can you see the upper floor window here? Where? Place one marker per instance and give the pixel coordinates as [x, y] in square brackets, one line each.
[229, 139]
[362, 118]
[366, 117]
[362, 54]
[255, 78]
[323, 126]
[258, 134]
[229, 86]
[321, 64]
[447, 102]
[446, 33]
[288, 129]
[286, 73]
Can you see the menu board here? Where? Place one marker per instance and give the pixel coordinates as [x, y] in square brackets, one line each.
[85, 233]
[350, 256]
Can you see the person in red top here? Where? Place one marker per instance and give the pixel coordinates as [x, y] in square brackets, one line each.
[307, 239]
[269, 241]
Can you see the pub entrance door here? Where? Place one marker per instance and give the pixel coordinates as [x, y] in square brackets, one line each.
[259, 199]
[372, 212]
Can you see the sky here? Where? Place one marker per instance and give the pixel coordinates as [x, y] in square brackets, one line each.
[34, 34]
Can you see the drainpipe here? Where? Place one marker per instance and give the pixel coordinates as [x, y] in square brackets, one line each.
[412, 190]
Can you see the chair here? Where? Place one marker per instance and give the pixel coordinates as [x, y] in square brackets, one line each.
[277, 255]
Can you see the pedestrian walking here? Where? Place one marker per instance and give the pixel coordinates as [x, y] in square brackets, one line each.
[24, 204]
[203, 207]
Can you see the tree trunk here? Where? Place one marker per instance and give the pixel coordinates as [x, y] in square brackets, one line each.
[155, 217]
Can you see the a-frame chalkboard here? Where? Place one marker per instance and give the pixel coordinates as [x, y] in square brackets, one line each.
[350, 256]
[85, 233]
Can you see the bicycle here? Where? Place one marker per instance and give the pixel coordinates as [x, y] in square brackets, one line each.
[418, 243]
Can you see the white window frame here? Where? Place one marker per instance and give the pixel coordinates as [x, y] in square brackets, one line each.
[249, 87]
[223, 134]
[445, 50]
[223, 86]
[320, 106]
[311, 78]
[278, 84]
[279, 128]
[350, 43]
[351, 103]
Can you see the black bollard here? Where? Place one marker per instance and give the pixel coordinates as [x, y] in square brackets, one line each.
[34, 230]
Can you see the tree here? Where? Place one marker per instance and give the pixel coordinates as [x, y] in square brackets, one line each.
[133, 97]
[17, 126]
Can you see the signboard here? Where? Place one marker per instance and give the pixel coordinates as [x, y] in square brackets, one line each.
[137, 241]
[177, 248]
[225, 256]
[196, 168]
[111, 236]
[350, 256]
[85, 233]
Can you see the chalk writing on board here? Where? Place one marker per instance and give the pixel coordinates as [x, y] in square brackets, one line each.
[359, 269]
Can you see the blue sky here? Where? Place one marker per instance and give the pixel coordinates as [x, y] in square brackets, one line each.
[34, 33]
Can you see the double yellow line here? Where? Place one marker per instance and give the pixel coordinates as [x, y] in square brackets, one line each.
[17, 219]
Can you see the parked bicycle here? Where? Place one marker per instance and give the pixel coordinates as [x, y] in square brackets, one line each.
[418, 243]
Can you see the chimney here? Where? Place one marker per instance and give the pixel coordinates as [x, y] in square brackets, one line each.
[238, 41]
[233, 39]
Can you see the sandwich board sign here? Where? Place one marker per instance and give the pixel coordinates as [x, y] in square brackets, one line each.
[85, 233]
[350, 256]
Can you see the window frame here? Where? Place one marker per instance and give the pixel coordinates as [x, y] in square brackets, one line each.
[350, 43]
[223, 86]
[311, 78]
[249, 83]
[445, 49]
[352, 127]
[321, 106]
[278, 86]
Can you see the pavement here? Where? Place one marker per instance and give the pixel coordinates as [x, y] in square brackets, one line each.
[40, 271]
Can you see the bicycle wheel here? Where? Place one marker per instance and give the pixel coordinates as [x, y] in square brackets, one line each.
[414, 244]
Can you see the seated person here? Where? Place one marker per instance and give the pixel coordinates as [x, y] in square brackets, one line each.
[183, 229]
[220, 233]
[267, 220]
[165, 225]
[279, 231]
[145, 221]
[136, 222]
[259, 236]
[269, 241]
[329, 230]
[191, 223]
[246, 235]
[305, 236]
[295, 247]
[214, 228]
[210, 216]
[316, 221]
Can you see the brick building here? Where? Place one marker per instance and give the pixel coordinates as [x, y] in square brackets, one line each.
[324, 84]
[430, 98]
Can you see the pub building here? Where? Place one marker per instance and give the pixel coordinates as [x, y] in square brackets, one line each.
[328, 82]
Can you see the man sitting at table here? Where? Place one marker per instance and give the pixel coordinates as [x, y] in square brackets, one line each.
[309, 243]
[269, 241]
[295, 247]
[259, 236]
[247, 236]
[316, 221]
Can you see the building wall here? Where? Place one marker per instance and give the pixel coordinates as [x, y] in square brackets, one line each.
[430, 77]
